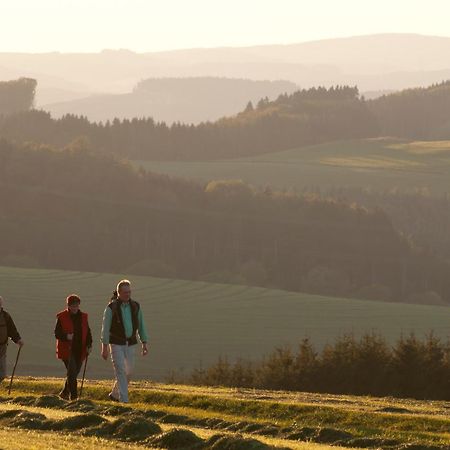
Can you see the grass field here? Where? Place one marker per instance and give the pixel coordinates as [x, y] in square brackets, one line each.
[382, 163]
[193, 323]
[244, 419]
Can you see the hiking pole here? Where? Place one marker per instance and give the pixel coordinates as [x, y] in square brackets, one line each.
[84, 375]
[14, 370]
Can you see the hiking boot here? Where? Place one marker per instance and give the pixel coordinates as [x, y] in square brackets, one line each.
[64, 395]
[112, 398]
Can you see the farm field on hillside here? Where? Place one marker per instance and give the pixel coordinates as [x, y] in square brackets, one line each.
[192, 323]
[380, 163]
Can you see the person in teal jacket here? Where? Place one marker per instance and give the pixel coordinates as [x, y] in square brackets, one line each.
[122, 323]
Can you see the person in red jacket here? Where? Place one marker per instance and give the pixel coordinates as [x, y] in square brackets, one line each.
[73, 343]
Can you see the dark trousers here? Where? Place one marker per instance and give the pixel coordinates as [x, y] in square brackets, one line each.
[3, 348]
[73, 366]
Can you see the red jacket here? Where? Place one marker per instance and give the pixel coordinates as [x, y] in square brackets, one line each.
[63, 348]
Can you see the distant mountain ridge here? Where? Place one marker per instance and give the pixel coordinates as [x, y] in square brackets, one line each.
[374, 62]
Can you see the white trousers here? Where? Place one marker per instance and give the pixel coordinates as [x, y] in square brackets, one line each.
[123, 358]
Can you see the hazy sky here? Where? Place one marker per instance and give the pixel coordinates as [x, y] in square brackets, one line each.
[150, 25]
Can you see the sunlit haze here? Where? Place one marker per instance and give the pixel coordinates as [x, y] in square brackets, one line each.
[145, 25]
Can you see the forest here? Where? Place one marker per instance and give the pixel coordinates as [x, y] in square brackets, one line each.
[302, 118]
[336, 243]
[92, 208]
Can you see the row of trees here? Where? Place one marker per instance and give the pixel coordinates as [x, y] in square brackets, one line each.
[76, 209]
[304, 117]
[270, 127]
[366, 366]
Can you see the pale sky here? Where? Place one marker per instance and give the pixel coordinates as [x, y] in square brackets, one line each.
[152, 25]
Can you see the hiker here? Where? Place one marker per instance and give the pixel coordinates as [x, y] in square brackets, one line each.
[122, 320]
[7, 330]
[73, 343]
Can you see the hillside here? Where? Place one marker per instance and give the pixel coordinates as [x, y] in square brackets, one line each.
[186, 418]
[408, 180]
[303, 118]
[222, 231]
[186, 100]
[380, 164]
[193, 323]
[412, 60]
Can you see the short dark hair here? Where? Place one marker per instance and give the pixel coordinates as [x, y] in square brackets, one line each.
[72, 299]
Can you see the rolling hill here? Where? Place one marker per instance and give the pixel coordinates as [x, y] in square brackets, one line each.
[187, 100]
[193, 323]
[373, 62]
[379, 163]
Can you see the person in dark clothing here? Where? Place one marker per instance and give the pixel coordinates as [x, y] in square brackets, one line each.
[8, 330]
[73, 343]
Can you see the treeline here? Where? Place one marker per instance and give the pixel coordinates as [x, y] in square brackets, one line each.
[338, 114]
[302, 118]
[411, 368]
[77, 209]
[17, 95]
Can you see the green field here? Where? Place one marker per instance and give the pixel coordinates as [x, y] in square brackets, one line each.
[168, 416]
[381, 163]
[193, 323]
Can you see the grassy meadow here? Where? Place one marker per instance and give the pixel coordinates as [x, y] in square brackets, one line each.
[379, 163]
[193, 323]
[184, 417]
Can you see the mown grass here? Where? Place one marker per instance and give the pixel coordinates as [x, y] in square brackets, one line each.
[44, 440]
[381, 163]
[362, 419]
[16, 438]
